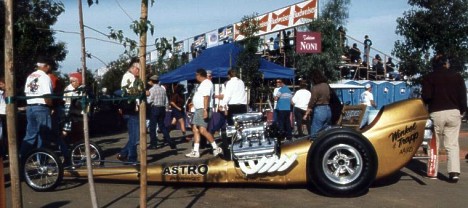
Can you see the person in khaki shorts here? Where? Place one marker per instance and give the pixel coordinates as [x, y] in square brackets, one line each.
[443, 90]
[201, 118]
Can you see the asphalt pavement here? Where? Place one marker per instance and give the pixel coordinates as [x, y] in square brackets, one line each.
[407, 188]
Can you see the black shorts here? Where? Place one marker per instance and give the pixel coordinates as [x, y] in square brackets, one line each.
[177, 114]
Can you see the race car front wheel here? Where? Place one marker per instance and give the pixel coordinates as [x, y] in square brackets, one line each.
[341, 162]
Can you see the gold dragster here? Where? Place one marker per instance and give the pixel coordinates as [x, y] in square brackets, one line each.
[342, 161]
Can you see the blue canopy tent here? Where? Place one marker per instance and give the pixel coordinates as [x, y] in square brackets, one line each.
[219, 60]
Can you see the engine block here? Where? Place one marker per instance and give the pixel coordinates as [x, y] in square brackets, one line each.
[249, 138]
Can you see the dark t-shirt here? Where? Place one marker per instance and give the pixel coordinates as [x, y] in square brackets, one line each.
[178, 100]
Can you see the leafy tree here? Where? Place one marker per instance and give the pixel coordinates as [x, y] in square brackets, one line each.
[32, 35]
[334, 14]
[173, 62]
[247, 59]
[111, 79]
[432, 27]
[336, 11]
[163, 46]
[129, 45]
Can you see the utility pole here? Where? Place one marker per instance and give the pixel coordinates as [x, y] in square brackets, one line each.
[142, 56]
[89, 165]
[16, 197]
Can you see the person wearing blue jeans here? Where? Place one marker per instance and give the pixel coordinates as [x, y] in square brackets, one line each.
[158, 114]
[129, 152]
[130, 112]
[283, 107]
[158, 101]
[321, 119]
[319, 104]
[38, 128]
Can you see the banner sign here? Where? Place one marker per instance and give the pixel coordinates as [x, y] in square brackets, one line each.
[179, 47]
[212, 38]
[308, 42]
[199, 41]
[225, 33]
[284, 18]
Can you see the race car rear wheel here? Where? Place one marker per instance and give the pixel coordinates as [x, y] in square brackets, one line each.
[341, 162]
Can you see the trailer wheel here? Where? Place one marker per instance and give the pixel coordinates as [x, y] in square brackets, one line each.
[78, 156]
[43, 170]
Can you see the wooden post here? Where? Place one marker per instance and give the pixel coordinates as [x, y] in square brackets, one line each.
[16, 197]
[2, 185]
[142, 56]
[89, 165]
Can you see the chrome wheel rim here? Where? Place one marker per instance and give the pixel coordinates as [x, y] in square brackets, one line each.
[41, 170]
[342, 164]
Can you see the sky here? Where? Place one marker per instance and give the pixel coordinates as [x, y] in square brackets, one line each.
[186, 18]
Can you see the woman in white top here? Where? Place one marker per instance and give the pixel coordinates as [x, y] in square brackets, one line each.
[300, 100]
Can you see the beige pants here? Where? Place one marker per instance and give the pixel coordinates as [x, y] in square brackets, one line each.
[447, 127]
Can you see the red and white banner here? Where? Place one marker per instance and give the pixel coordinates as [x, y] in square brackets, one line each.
[308, 42]
[284, 18]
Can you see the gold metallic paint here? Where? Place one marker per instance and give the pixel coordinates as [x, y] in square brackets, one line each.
[395, 117]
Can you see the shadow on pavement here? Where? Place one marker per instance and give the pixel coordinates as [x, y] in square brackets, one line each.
[57, 204]
[416, 166]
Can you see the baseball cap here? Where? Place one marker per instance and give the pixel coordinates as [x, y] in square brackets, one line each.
[154, 78]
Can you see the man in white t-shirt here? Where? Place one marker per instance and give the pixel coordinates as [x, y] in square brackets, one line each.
[234, 96]
[131, 115]
[201, 102]
[367, 98]
[38, 128]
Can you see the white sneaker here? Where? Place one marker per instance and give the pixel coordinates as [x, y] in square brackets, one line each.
[193, 154]
[217, 151]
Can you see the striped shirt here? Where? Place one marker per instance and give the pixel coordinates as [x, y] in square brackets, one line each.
[157, 96]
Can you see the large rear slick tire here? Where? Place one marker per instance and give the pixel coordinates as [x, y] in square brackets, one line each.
[341, 162]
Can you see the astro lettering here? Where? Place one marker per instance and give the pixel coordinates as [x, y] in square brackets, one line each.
[403, 138]
[186, 170]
